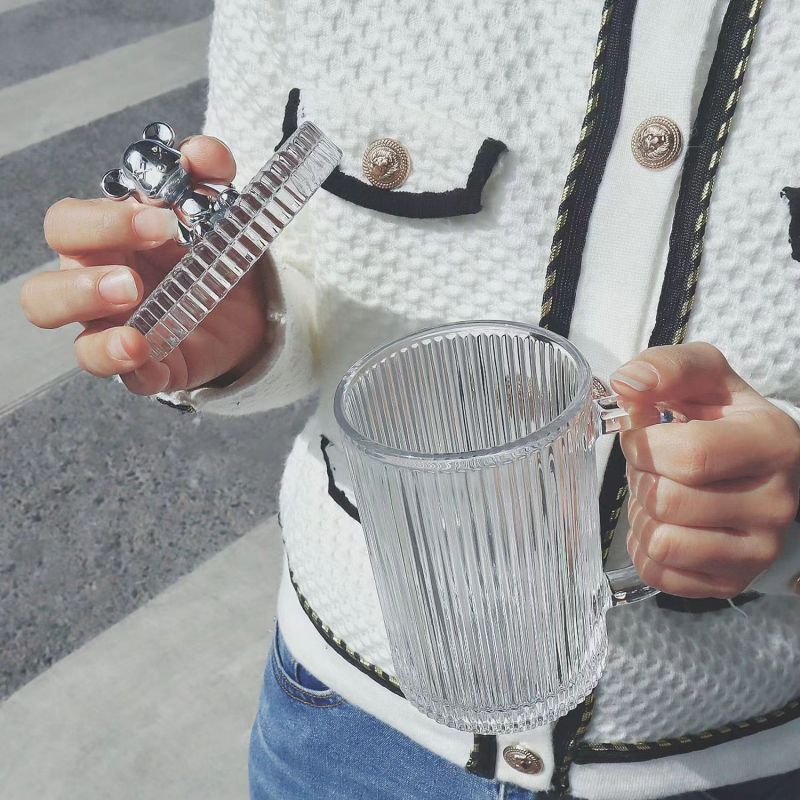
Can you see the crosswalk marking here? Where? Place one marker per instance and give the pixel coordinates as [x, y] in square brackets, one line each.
[67, 98]
[31, 360]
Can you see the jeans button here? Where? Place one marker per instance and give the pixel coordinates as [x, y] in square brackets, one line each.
[523, 759]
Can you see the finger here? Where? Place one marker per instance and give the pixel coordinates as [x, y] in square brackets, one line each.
[718, 551]
[110, 351]
[694, 371]
[147, 379]
[77, 227]
[53, 299]
[744, 444]
[683, 582]
[209, 159]
[769, 502]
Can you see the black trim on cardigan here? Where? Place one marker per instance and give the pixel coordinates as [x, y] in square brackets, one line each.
[704, 151]
[597, 135]
[184, 407]
[792, 196]
[483, 758]
[686, 605]
[336, 494]
[629, 752]
[342, 648]
[598, 130]
[413, 205]
[701, 164]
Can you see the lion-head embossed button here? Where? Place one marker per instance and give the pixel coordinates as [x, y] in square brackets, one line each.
[656, 142]
[386, 163]
[523, 759]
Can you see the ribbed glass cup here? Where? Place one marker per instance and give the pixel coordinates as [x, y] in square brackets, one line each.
[471, 449]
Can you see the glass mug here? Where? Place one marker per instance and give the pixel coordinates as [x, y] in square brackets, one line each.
[471, 450]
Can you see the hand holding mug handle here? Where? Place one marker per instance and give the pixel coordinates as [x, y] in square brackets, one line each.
[712, 501]
[625, 583]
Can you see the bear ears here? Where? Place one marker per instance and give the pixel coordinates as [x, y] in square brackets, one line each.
[160, 132]
[115, 183]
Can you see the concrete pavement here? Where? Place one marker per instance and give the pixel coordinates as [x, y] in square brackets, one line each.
[159, 705]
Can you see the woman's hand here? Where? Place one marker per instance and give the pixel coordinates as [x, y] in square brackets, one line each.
[711, 499]
[112, 254]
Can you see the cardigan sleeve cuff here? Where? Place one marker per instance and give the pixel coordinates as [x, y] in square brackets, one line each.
[284, 372]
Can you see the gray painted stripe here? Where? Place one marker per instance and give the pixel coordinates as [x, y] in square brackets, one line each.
[43, 37]
[71, 165]
[107, 499]
[31, 359]
[72, 96]
[161, 705]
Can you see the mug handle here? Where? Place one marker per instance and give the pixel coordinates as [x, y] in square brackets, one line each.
[625, 584]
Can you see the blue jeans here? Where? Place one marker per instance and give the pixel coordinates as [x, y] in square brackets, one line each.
[307, 742]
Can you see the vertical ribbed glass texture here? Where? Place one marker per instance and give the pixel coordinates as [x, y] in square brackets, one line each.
[471, 449]
[202, 278]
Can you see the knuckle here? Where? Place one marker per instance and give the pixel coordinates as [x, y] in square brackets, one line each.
[710, 352]
[787, 434]
[782, 511]
[78, 287]
[766, 549]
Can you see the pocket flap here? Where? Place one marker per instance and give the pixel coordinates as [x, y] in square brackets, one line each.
[450, 162]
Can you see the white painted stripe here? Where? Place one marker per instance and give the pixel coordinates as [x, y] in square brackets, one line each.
[10, 5]
[160, 704]
[67, 98]
[31, 359]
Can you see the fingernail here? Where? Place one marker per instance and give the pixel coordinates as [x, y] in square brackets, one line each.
[154, 224]
[639, 375]
[118, 286]
[116, 347]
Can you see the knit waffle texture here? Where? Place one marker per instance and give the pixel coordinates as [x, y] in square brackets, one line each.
[441, 77]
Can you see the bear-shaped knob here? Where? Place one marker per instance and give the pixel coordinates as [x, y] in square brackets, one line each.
[152, 172]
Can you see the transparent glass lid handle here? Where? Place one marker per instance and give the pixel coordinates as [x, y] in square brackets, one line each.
[239, 235]
[625, 583]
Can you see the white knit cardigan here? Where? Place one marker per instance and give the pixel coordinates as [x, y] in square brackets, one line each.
[441, 76]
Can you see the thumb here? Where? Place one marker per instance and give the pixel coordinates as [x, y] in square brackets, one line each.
[695, 372]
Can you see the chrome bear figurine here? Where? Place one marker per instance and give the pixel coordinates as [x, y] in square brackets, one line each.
[152, 172]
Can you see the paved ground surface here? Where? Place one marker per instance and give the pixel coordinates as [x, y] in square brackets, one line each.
[160, 705]
[109, 499]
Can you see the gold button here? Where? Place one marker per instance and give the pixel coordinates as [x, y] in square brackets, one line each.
[523, 759]
[656, 142]
[386, 163]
